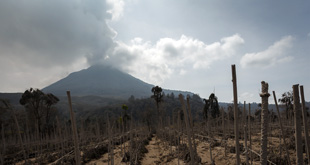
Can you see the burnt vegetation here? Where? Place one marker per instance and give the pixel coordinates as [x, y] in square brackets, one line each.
[38, 128]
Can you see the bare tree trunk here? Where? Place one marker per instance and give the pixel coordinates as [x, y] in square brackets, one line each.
[179, 141]
[250, 136]
[169, 134]
[3, 144]
[111, 145]
[234, 79]
[281, 127]
[82, 133]
[242, 120]
[189, 134]
[297, 117]
[19, 135]
[191, 122]
[38, 139]
[246, 146]
[97, 129]
[122, 139]
[304, 117]
[60, 137]
[223, 125]
[18, 129]
[209, 124]
[189, 112]
[210, 150]
[74, 130]
[245, 135]
[131, 139]
[2, 158]
[264, 122]
[280, 142]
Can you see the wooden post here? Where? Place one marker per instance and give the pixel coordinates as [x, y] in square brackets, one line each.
[210, 150]
[246, 146]
[189, 134]
[264, 122]
[228, 124]
[236, 128]
[242, 119]
[297, 119]
[281, 127]
[132, 139]
[250, 136]
[244, 116]
[245, 135]
[304, 117]
[74, 130]
[122, 138]
[223, 124]
[191, 122]
[179, 141]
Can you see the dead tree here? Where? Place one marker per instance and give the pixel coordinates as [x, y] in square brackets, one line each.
[281, 127]
[8, 106]
[264, 122]
[189, 133]
[245, 135]
[297, 121]
[233, 68]
[74, 130]
[304, 117]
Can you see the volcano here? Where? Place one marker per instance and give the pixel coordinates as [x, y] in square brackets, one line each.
[103, 81]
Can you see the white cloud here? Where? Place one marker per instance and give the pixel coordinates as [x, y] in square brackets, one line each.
[245, 96]
[182, 72]
[117, 8]
[154, 63]
[275, 54]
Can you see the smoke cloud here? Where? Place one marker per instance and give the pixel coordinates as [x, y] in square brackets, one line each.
[43, 41]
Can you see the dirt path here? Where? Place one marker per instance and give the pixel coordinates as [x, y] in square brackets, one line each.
[118, 155]
[218, 153]
[160, 153]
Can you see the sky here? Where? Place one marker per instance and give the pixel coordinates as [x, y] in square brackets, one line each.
[185, 45]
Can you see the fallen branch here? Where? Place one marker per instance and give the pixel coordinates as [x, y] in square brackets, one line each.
[260, 156]
[58, 160]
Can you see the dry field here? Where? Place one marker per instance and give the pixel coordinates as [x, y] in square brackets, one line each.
[236, 136]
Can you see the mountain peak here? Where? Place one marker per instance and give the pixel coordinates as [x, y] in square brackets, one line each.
[105, 81]
[100, 80]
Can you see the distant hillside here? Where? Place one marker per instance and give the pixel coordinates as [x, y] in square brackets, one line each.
[12, 97]
[255, 106]
[103, 81]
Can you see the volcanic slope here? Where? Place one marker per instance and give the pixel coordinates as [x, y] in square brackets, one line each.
[103, 81]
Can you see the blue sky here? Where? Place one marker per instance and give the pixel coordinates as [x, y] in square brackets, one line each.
[185, 45]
